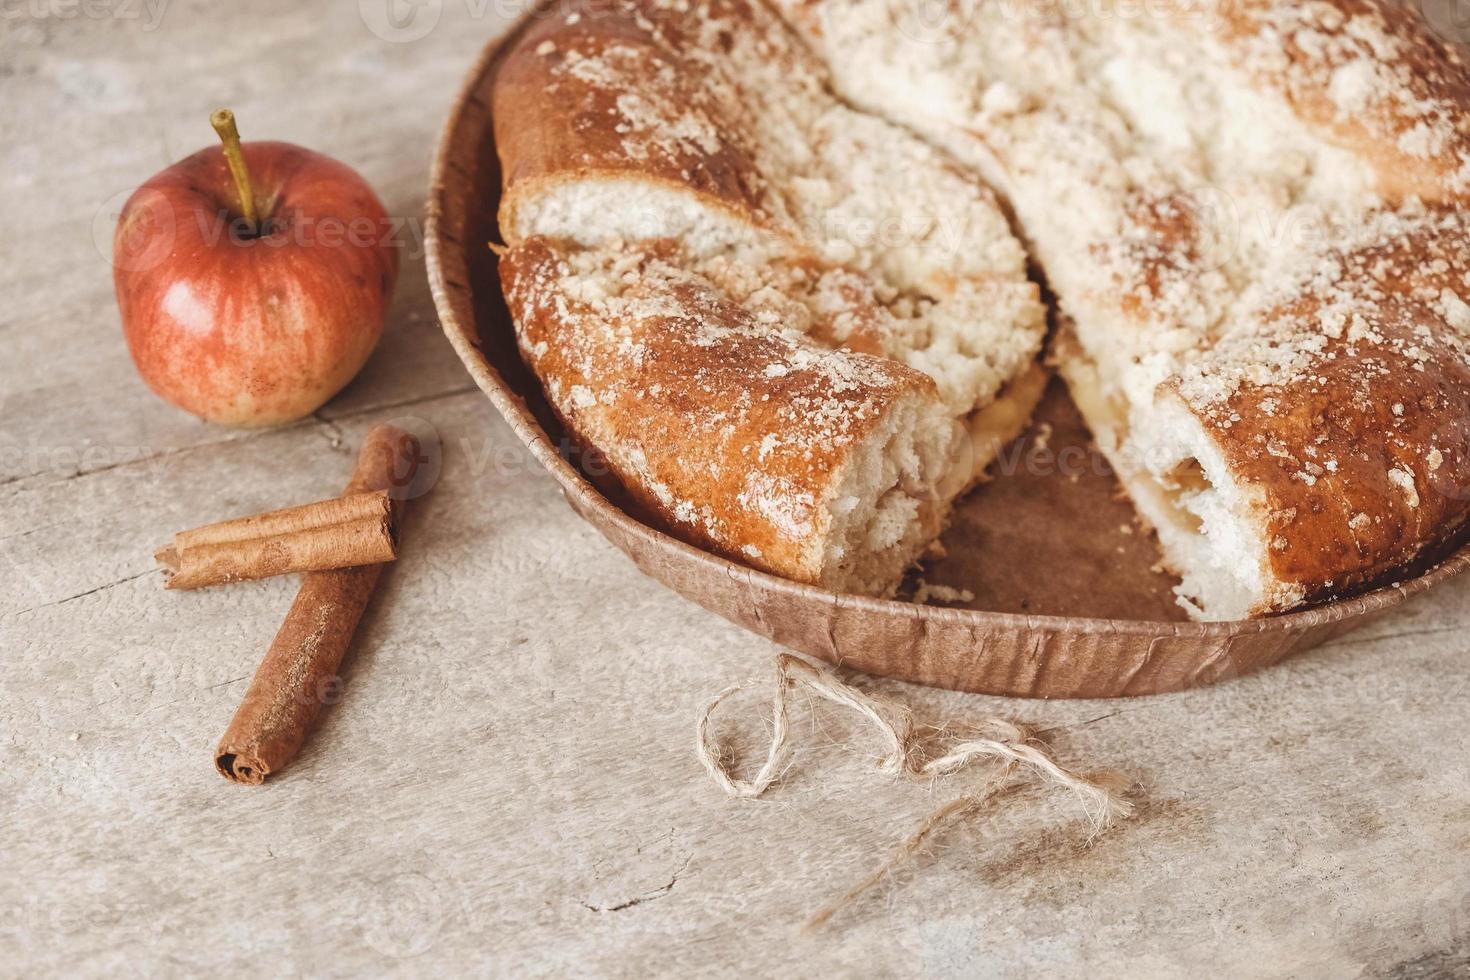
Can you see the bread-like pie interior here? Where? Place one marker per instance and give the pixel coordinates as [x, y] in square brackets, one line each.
[756, 260]
[796, 332]
[1252, 216]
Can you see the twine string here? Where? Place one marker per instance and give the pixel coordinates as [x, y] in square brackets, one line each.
[930, 753]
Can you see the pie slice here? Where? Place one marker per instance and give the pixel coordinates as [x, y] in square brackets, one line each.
[795, 332]
[1252, 217]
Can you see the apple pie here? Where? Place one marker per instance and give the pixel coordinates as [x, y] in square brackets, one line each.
[762, 258]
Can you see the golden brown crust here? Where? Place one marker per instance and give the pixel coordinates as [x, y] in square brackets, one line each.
[1333, 393]
[681, 188]
[1375, 76]
[729, 433]
[1345, 405]
[1227, 198]
[604, 89]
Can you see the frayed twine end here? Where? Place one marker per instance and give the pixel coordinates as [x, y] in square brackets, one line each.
[931, 753]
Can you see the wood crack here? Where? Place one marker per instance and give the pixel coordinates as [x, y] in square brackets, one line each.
[650, 896]
[315, 419]
[82, 595]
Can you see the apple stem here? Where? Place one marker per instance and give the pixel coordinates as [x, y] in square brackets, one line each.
[223, 121]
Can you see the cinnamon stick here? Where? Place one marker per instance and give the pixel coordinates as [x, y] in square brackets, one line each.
[334, 510]
[356, 529]
[299, 672]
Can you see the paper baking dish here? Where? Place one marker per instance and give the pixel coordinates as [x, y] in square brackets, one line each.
[1072, 606]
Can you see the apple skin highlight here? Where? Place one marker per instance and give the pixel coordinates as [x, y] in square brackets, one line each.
[262, 328]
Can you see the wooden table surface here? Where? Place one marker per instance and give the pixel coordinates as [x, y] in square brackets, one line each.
[508, 784]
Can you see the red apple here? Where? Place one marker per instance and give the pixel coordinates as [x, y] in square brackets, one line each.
[253, 279]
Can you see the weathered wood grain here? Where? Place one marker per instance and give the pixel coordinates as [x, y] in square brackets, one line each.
[508, 784]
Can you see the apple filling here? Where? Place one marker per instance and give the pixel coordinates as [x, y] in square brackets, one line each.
[1181, 485]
